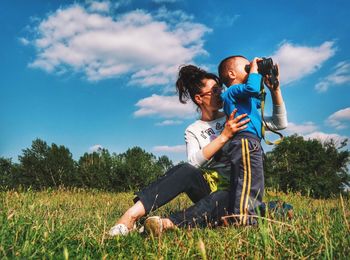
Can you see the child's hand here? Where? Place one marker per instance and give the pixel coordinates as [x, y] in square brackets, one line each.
[254, 65]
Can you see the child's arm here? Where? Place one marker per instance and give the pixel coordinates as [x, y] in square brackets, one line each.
[251, 88]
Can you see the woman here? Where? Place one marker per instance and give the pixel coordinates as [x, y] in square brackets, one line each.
[204, 139]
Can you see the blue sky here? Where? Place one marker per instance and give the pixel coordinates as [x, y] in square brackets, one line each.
[87, 74]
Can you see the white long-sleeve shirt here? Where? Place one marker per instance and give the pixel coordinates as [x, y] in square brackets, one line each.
[201, 133]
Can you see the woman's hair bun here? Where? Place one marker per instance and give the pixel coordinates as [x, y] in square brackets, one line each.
[190, 81]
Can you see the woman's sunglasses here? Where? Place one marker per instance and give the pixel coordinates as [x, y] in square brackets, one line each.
[213, 91]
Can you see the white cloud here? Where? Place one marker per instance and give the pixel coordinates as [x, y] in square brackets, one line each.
[337, 119]
[323, 137]
[164, 1]
[169, 122]
[298, 61]
[24, 41]
[148, 47]
[171, 149]
[100, 6]
[340, 76]
[301, 129]
[95, 148]
[309, 130]
[226, 20]
[172, 17]
[165, 107]
[122, 3]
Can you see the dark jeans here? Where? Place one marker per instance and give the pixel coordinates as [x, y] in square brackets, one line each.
[206, 212]
[208, 208]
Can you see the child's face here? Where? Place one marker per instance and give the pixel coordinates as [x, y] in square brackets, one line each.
[239, 69]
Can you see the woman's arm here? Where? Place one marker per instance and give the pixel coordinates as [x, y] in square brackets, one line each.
[278, 120]
[198, 156]
[232, 126]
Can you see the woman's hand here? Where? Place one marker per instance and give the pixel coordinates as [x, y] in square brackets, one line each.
[234, 125]
[275, 91]
[271, 87]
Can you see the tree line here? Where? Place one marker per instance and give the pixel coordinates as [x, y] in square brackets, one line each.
[51, 166]
[318, 169]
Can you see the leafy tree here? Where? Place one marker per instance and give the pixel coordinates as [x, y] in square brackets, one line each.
[308, 166]
[45, 166]
[165, 163]
[96, 170]
[61, 166]
[5, 172]
[137, 168]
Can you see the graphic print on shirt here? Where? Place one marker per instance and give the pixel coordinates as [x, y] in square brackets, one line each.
[219, 126]
[209, 132]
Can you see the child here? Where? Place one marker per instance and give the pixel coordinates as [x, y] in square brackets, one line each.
[244, 150]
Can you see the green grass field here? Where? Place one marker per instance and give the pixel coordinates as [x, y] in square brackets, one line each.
[62, 224]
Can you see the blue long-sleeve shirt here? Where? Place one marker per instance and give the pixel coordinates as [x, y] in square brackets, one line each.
[245, 97]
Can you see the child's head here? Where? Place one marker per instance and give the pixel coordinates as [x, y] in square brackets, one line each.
[232, 70]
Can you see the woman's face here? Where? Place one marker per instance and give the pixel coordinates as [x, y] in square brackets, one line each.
[210, 95]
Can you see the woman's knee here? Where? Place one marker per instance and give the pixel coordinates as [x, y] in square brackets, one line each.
[188, 170]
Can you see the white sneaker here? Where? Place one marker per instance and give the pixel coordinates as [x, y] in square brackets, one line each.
[154, 226]
[119, 230]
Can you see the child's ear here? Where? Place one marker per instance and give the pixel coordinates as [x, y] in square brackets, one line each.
[232, 75]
